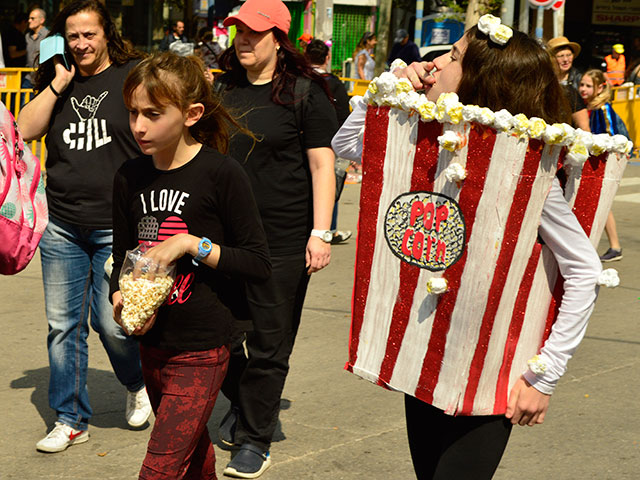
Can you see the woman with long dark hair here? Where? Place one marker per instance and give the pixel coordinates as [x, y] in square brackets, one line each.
[285, 104]
[81, 111]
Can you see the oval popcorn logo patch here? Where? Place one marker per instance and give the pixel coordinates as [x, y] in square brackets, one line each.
[425, 229]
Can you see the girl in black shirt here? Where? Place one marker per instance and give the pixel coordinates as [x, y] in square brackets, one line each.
[190, 201]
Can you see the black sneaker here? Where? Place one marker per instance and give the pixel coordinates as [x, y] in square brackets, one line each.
[249, 462]
[611, 255]
[227, 428]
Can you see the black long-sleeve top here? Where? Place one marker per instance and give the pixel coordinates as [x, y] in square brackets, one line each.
[210, 196]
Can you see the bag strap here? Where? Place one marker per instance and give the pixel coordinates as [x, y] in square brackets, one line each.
[301, 91]
[219, 85]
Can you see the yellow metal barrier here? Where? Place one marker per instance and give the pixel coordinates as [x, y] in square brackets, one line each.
[14, 96]
[626, 103]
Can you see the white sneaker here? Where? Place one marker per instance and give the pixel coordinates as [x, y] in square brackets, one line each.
[138, 408]
[61, 437]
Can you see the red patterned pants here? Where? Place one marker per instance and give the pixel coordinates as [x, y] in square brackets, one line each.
[182, 388]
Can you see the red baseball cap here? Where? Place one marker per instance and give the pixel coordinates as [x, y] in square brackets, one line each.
[262, 15]
[306, 37]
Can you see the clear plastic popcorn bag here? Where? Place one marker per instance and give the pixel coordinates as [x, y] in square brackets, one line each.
[144, 286]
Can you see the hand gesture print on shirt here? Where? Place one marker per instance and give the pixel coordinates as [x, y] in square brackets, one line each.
[87, 109]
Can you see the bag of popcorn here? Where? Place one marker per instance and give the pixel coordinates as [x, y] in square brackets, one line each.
[144, 286]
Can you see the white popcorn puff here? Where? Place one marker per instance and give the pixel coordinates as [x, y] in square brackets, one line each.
[383, 89]
[486, 116]
[455, 173]
[437, 285]
[601, 143]
[397, 63]
[426, 109]
[488, 22]
[569, 134]
[450, 140]
[577, 154]
[470, 113]
[559, 134]
[537, 127]
[409, 101]
[501, 34]
[403, 85]
[586, 138]
[629, 148]
[537, 365]
[502, 120]
[553, 134]
[609, 278]
[619, 143]
[520, 124]
[449, 109]
[141, 297]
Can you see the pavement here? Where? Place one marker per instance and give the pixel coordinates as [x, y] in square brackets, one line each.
[334, 425]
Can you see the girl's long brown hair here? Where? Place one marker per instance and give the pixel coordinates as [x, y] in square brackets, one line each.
[173, 80]
[518, 77]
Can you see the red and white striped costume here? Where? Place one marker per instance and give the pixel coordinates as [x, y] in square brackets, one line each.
[461, 351]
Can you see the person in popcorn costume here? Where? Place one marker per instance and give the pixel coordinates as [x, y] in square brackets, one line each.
[491, 66]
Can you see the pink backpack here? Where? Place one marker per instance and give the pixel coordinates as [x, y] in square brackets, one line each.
[23, 203]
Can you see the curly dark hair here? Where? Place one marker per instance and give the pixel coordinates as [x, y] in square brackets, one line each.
[120, 51]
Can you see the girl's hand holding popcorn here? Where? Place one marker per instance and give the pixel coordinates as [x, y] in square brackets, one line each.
[146, 279]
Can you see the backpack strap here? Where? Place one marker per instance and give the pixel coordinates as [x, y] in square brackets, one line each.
[301, 99]
[219, 85]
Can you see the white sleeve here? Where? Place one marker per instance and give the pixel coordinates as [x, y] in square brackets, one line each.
[580, 267]
[347, 143]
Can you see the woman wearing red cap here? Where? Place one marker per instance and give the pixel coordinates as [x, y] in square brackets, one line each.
[292, 175]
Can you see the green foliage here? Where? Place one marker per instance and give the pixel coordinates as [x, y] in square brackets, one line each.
[460, 6]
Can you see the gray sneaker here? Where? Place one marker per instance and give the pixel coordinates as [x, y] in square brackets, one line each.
[611, 255]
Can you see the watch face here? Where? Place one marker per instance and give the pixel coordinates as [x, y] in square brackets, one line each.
[206, 246]
[327, 236]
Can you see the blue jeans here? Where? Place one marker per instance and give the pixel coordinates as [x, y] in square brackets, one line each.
[74, 282]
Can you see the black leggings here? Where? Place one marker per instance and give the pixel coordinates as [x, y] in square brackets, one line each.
[444, 447]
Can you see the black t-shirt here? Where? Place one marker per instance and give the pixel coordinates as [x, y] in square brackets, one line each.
[12, 37]
[209, 196]
[278, 169]
[88, 140]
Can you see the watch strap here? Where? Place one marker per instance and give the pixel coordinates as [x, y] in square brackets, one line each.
[204, 249]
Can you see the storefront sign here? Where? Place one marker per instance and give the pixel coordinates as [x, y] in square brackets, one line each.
[616, 12]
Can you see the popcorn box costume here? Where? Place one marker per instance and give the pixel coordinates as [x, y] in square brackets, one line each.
[454, 296]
